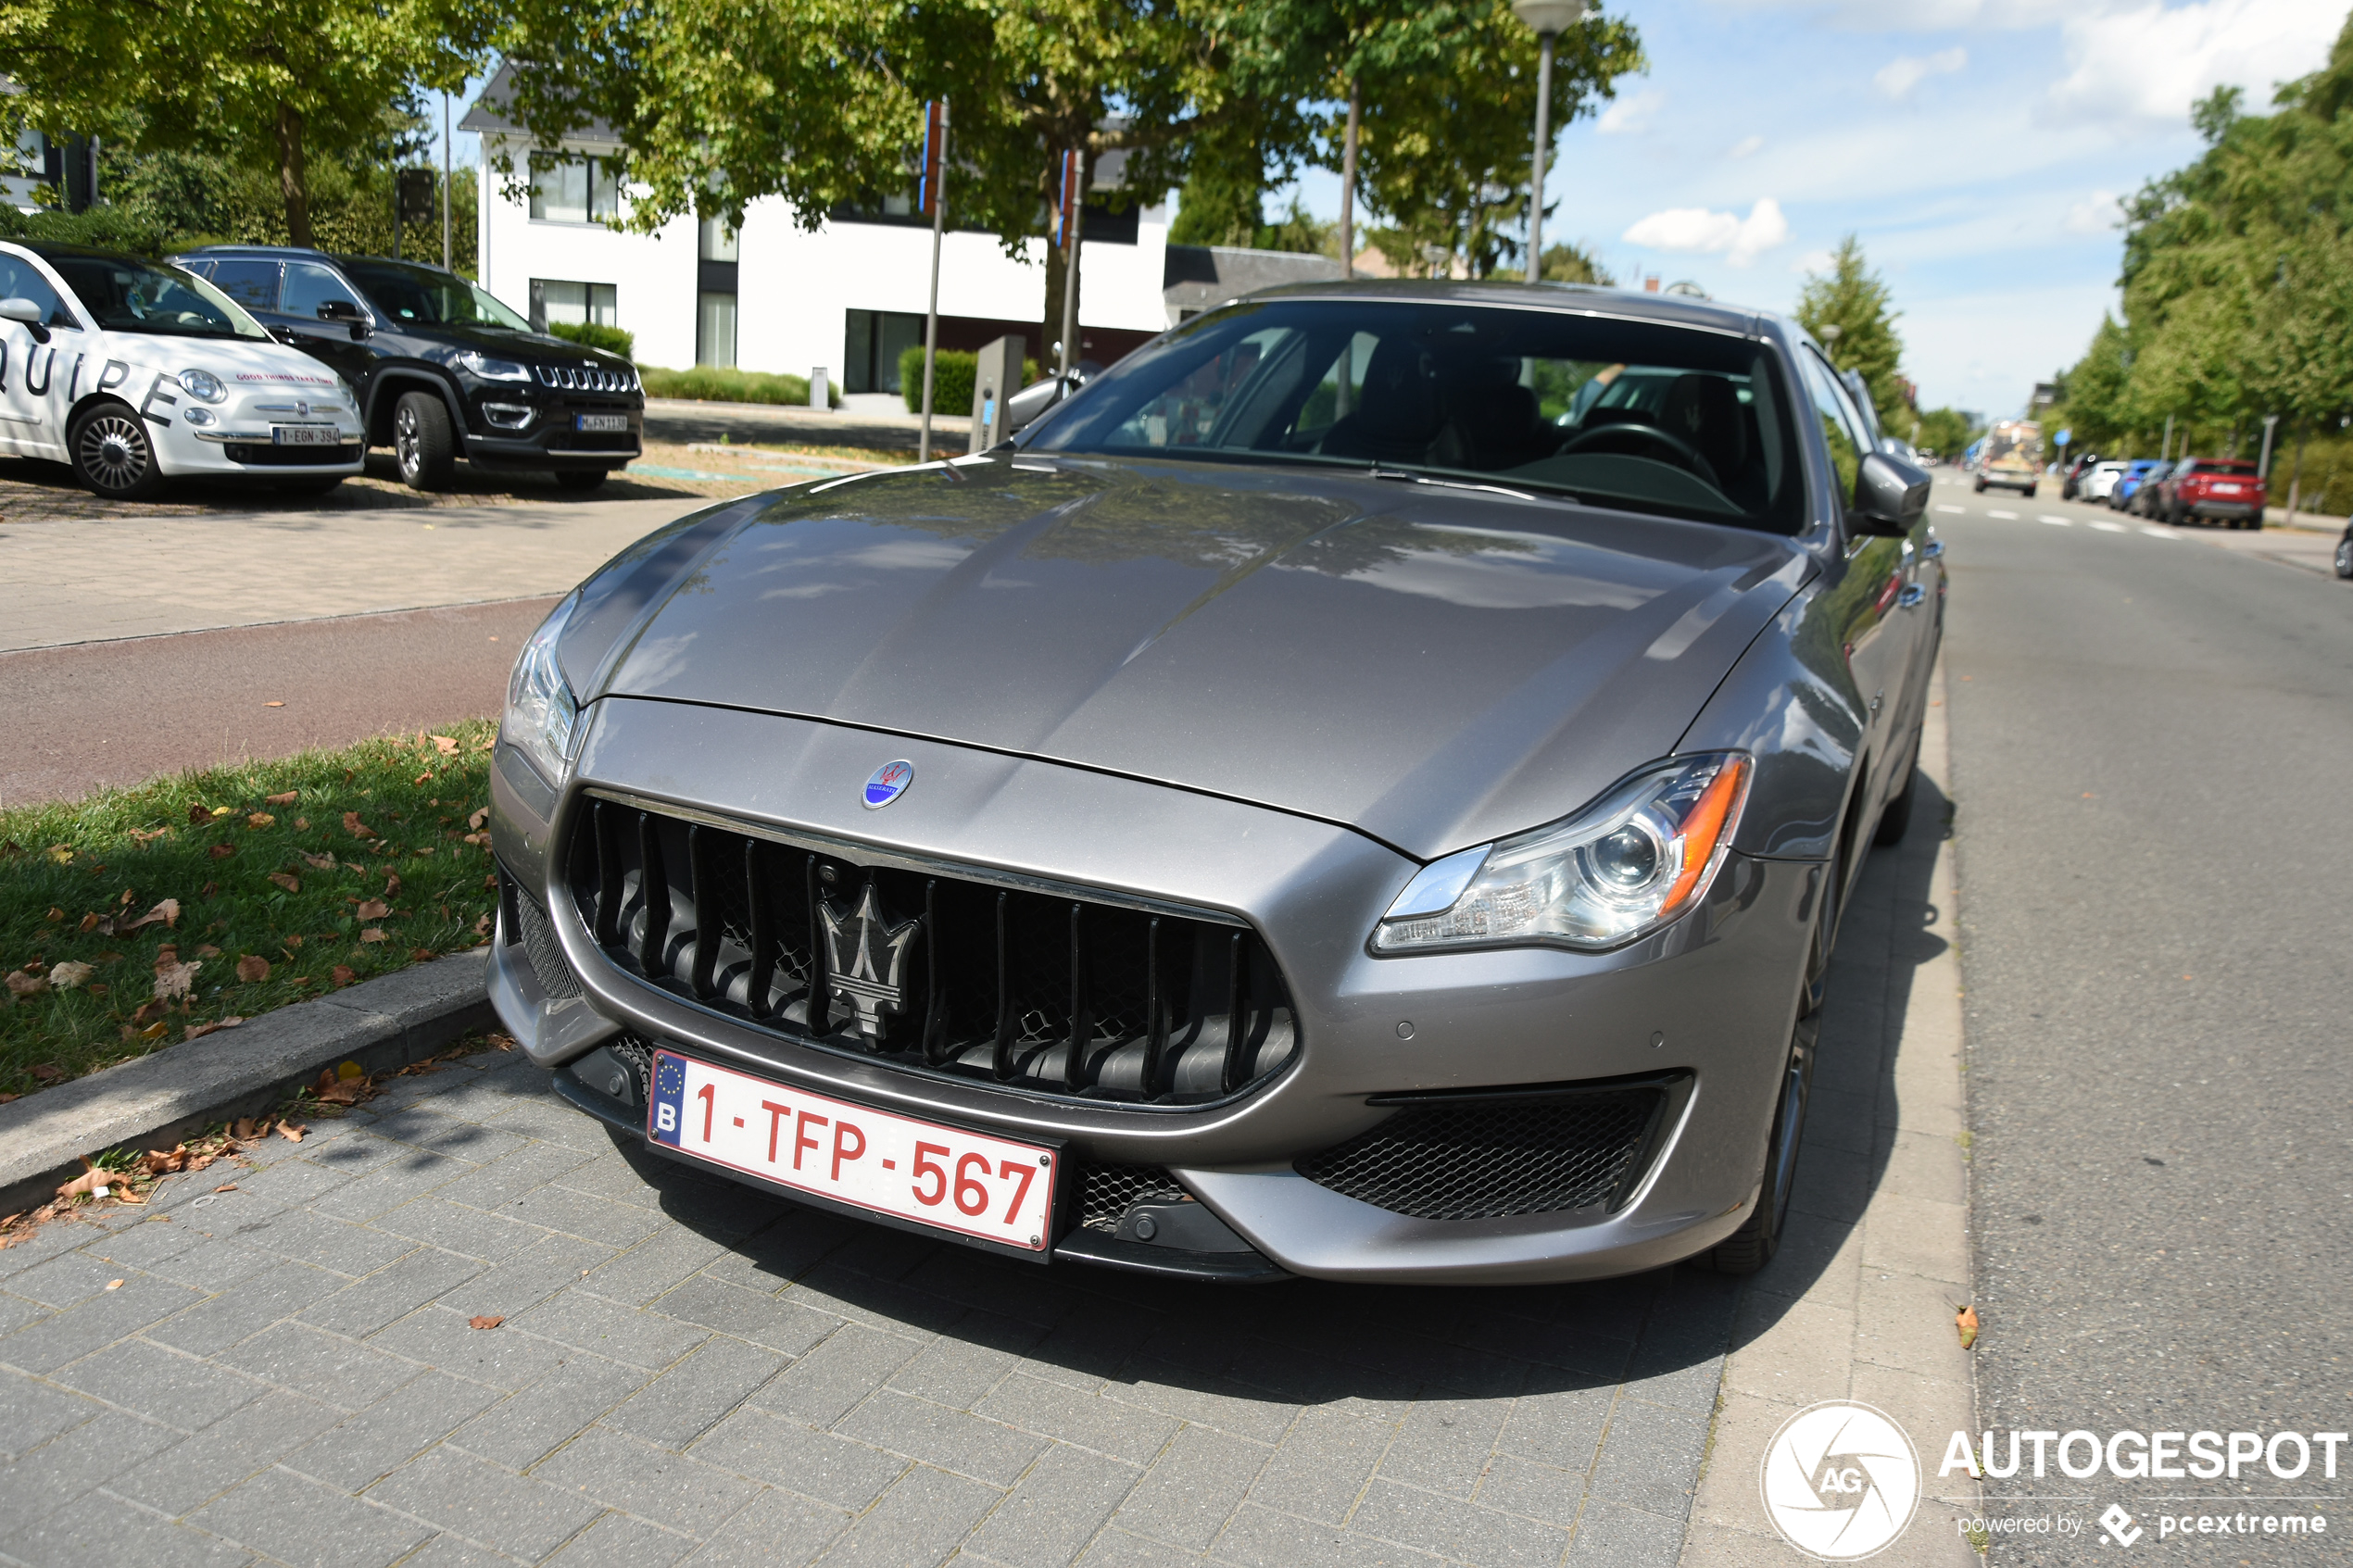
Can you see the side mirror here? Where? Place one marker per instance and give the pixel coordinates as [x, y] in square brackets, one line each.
[1890, 496]
[19, 308]
[347, 313]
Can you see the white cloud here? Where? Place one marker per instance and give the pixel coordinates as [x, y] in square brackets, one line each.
[1696, 230]
[1815, 261]
[1900, 75]
[1631, 114]
[2100, 213]
[1746, 145]
[2150, 62]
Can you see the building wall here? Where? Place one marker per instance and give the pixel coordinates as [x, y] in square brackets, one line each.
[796, 287]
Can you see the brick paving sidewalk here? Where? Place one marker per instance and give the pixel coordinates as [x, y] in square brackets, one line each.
[691, 1371]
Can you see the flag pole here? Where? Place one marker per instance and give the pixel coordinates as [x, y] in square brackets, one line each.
[936, 177]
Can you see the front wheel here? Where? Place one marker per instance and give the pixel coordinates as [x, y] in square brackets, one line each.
[422, 442]
[111, 454]
[1752, 1246]
[2030, 492]
[2345, 556]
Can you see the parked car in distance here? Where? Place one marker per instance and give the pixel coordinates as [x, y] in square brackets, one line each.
[2226, 490]
[2344, 552]
[2135, 471]
[133, 373]
[1929, 458]
[2100, 483]
[2145, 494]
[2071, 478]
[1210, 936]
[2012, 457]
[442, 369]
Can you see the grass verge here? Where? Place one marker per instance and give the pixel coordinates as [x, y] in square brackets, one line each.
[138, 918]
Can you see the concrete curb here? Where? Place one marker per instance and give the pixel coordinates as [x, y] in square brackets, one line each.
[382, 1023]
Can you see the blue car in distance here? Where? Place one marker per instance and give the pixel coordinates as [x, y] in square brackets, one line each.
[2121, 498]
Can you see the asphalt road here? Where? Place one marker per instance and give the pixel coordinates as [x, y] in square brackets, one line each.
[2151, 741]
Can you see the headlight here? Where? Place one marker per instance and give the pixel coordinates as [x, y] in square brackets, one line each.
[203, 385]
[492, 370]
[540, 709]
[1628, 864]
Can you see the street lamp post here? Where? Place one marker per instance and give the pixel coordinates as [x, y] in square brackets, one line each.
[1548, 19]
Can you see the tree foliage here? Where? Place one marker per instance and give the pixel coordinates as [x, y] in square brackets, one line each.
[1850, 313]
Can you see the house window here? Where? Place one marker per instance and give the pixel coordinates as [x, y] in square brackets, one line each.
[552, 299]
[573, 188]
[875, 342]
[715, 329]
[716, 242]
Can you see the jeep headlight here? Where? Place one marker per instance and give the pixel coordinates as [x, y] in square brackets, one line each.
[1632, 861]
[541, 711]
[488, 368]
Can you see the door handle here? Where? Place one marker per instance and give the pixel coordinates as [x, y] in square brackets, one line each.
[1911, 597]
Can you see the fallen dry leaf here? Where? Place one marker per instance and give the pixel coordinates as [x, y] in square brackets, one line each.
[114, 1285]
[48, 1072]
[303, 823]
[166, 910]
[287, 799]
[175, 980]
[290, 1131]
[206, 950]
[92, 1180]
[273, 705]
[148, 836]
[419, 954]
[71, 974]
[259, 820]
[226, 1187]
[337, 1090]
[198, 1031]
[319, 862]
[482, 925]
[392, 883]
[485, 1322]
[253, 967]
[342, 975]
[354, 826]
[243, 1129]
[372, 909]
[222, 851]
[160, 1160]
[1966, 1321]
[90, 923]
[199, 815]
[422, 778]
[56, 913]
[444, 745]
[152, 1032]
[373, 933]
[479, 818]
[287, 880]
[24, 984]
[6, 1099]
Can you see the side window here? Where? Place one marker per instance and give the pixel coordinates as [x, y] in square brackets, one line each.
[253, 285]
[20, 279]
[573, 188]
[1840, 423]
[310, 285]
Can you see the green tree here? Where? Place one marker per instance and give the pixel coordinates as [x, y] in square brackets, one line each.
[1848, 311]
[283, 82]
[1574, 264]
[1946, 431]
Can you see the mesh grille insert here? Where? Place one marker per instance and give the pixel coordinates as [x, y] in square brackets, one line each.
[539, 946]
[1105, 1192]
[1487, 1157]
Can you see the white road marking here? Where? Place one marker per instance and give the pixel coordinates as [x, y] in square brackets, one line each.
[2006, 517]
[2058, 522]
[2160, 533]
[1948, 507]
[2106, 527]
[2049, 517]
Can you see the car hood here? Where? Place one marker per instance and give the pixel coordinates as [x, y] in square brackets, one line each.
[1432, 665]
[533, 347]
[247, 364]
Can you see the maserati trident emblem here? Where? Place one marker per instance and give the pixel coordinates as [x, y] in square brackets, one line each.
[866, 960]
[887, 783]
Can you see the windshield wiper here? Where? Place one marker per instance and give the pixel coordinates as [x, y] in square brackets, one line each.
[1409, 477]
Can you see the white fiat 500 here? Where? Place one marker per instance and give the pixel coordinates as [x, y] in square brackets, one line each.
[135, 372]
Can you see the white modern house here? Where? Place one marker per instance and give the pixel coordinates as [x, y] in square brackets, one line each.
[848, 296]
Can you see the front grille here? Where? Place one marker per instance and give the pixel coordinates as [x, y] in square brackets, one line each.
[1106, 1192]
[262, 454]
[587, 378]
[929, 970]
[1484, 1156]
[527, 923]
[593, 440]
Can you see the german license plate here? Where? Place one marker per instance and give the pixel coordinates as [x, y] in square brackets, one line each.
[306, 435]
[942, 1178]
[600, 421]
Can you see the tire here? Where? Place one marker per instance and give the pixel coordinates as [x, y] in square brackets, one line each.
[2255, 520]
[1980, 487]
[2344, 557]
[580, 478]
[1895, 817]
[111, 455]
[422, 442]
[1752, 1246]
[2028, 493]
[2174, 515]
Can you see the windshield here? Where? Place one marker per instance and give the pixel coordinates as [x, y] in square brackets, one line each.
[428, 295]
[1636, 414]
[123, 295]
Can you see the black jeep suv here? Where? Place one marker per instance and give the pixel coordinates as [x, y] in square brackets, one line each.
[442, 369]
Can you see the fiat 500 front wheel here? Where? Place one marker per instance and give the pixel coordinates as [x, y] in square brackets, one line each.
[111, 454]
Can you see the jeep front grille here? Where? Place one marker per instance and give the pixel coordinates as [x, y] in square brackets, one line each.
[930, 970]
[587, 378]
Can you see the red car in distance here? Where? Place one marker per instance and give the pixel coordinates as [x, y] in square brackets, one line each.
[2224, 490]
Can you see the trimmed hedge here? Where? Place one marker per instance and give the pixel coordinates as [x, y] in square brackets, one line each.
[953, 378]
[612, 340]
[711, 383]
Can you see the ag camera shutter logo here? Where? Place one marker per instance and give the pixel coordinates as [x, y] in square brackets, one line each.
[1840, 1481]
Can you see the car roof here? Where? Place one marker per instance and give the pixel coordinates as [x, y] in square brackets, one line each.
[54, 250]
[1681, 310]
[262, 251]
[273, 252]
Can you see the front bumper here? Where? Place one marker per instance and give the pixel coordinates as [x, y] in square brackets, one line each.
[2233, 509]
[1708, 1003]
[238, 437]
[536, 427]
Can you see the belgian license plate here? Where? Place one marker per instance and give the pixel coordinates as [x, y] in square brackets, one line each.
[306, 435]
[600, 421]
[942, 1178]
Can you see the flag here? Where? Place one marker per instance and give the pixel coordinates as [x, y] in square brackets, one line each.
[1067, 196]
[934, 165]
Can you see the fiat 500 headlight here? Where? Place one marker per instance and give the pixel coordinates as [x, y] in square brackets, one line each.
[203, 385]
[1628, 864]
[541, 710]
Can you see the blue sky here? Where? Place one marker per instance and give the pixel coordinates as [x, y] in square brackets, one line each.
[1977, 147]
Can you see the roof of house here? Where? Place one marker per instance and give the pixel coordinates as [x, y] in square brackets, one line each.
[489, 113]
[1203, 277]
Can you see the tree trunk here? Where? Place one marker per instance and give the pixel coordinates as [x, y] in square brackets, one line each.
[293, 181]
[1058, 274]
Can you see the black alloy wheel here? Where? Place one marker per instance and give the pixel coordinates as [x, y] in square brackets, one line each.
[111, 455]
[2344, 557]
[422, 442]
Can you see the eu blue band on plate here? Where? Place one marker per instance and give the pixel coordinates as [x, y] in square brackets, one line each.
[669, 1107]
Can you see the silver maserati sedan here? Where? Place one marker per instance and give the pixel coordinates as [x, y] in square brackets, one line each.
[1364, 788]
